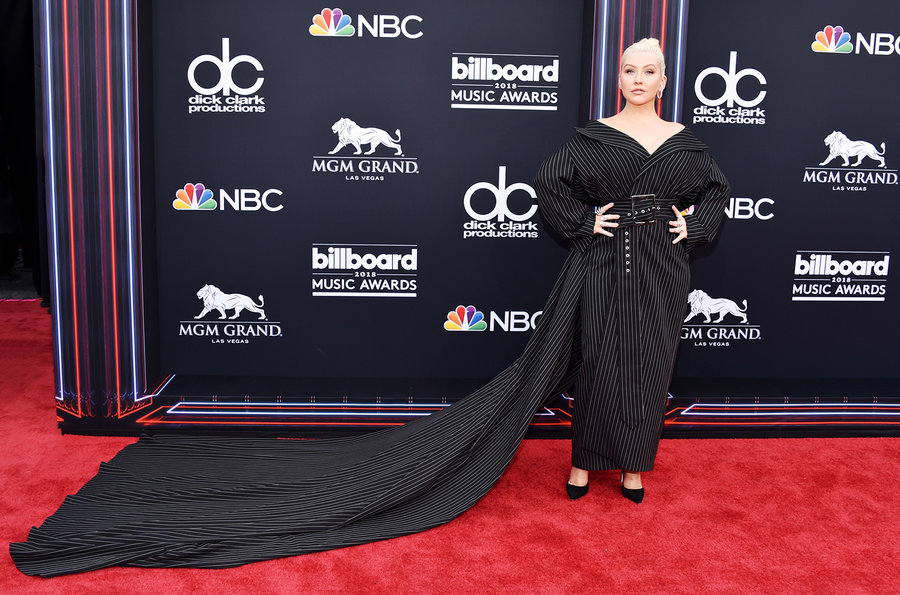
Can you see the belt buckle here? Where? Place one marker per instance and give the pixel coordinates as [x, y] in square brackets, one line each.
[646, 211]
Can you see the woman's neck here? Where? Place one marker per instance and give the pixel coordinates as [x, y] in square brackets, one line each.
[639, 113]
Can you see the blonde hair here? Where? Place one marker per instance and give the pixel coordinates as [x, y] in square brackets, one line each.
[650, 45]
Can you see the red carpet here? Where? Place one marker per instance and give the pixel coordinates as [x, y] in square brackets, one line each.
[720, 516]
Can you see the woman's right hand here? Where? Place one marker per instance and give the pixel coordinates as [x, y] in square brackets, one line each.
[604, 221]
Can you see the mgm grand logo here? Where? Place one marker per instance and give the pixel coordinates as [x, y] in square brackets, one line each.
[723, 322]
[365, 166]
[851, 165]
[228, 329]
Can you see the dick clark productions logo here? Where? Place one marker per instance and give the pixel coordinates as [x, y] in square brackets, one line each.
[493, 215]
[225, 95]
[740, 109]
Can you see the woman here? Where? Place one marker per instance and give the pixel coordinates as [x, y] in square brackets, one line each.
[638, 172]
[214, 502]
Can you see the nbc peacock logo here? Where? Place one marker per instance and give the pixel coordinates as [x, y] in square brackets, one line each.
[465, 318]
[332, 22]
[194, 197]
[832, 40]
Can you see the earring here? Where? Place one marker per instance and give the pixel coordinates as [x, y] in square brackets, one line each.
[659, 95]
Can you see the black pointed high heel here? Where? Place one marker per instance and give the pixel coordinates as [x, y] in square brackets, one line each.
[575, 492]
[636, 495]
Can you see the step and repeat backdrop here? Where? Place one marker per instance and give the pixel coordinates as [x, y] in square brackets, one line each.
[346, 192]
[339, 193]
[797, 102]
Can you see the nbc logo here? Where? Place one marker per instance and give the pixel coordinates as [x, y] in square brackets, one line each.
[197, 197]
[194, 197]
[333, 23]
[833, 40]
[465, 318]
[468, 318]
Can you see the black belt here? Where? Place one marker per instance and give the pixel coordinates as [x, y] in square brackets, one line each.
[640, 209]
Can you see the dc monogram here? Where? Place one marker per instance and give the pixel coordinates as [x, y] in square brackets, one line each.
[732, 77]
[501, 192]
[226, 64]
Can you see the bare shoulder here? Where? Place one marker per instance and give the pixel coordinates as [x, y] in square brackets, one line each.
[674, 127]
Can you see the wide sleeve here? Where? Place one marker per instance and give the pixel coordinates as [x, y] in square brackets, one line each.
[703, 223]
[561, 199]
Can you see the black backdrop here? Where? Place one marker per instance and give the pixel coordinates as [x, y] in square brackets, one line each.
[778, 214]
[797, 286]
[309, 83]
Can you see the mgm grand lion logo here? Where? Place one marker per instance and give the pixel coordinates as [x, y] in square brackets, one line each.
[701, 303]
[841, 146]
[350, 133]
[214, 298]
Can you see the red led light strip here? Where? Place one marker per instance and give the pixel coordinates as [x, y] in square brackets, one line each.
[731, 423]
[71, 204]
[662, 45]
[112, 219]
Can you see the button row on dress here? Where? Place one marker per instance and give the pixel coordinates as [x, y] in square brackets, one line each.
[627, 254]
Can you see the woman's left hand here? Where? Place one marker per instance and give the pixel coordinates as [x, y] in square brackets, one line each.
[678, 226]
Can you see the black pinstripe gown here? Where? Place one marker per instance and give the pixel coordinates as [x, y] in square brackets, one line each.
[636, 283]
[214, 502]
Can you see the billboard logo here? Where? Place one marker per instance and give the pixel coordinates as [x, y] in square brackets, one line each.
[465, 318]
[746, 112]
[485, 202]
[485, 69]
[840, 276]
[225, 96]
[504, 81]
[359, 166]
[827, 264]
[197, 197]
[226, 329]
[364, 270]
[721, 332]
[847, 176]
[194, 197]
[832, 40]
[333, 22]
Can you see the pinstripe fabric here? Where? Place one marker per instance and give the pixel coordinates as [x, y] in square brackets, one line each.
[214, 502]
[636, 283]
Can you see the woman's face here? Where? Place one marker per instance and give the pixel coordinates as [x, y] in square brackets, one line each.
[641, 78]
